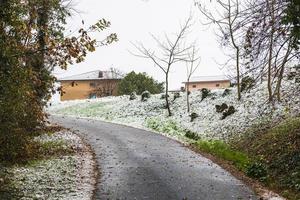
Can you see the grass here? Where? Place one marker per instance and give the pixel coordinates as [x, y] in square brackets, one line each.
[214, 147]
[169, 127]
[52, 148]
[224, 151]
[40, 154]
[88, 110]
[278, 147]
[267, 153]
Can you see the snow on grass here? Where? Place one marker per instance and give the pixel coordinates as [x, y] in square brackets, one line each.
[66, 176]
[252, 109]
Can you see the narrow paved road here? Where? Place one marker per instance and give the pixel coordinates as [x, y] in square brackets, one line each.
[137, 164]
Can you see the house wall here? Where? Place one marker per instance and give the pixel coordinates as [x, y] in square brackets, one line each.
[83, 89]
[194, 86]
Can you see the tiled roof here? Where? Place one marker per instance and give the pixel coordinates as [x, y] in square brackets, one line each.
[93, 75]
[208, 78]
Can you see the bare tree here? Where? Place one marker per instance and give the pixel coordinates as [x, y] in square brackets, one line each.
[260, 39]
[109, 85]
[171, 51]
[191, 66]
[269, 42]
[227, 16]
[105, 88]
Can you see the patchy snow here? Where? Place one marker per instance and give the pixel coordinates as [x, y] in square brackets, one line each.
[268, 195]
[70, 176]
[252, 109]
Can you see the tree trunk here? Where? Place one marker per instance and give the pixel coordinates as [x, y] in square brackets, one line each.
[42, 23]
[39, 60]
[271, 9]
[188, 96]
[230, 23]
[269, 78]
[280, 76]
[278, 85]
[167, 95]
[238, 72]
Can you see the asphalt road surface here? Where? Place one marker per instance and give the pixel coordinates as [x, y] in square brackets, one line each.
[138, 164]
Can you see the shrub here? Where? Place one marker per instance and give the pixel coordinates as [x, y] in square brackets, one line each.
[213, 96]
[176, 96]
[20, 114]
[192, 135]
[278, 143]
[226, 92]
[193, 116]
[163, 96]
[145, 95]
[294, 73]
[247, 83]
[228, 112]
[221, 108]
[133, 96]
[257, 170]
[15, 146]
[205, 93]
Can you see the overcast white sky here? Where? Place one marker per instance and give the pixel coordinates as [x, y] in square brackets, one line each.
[134, 20]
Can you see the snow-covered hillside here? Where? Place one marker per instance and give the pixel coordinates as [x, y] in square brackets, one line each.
[252, 109]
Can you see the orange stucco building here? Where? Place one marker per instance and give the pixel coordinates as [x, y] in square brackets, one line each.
[209, 82]
[89, 85]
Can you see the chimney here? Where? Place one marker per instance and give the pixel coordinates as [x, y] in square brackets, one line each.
[100, 74]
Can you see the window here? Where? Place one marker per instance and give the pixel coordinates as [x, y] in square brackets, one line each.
[73, 83]
[194, 86]
[93, 96]
[92, 84]
[217, 85]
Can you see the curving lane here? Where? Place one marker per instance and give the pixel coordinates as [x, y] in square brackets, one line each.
[138, 164]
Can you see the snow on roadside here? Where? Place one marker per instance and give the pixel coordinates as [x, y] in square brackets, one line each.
[67, 176]
[252, 109]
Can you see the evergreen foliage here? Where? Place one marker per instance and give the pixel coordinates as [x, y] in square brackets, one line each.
[139, 82]
[32, 43]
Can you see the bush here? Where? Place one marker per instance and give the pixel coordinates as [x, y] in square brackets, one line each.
[228, 112]
[192, 135]
[278, 144]
[20, 114]
[14, 147]
[226, 92]
[205, 93]
[247, 83]
[176, 96]
[193, 116]
[163, 96]
[133, 96]
[221, 108]
[213, 96]
[294, 73]
[138, 83]
[145, 95]
[257, 170]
